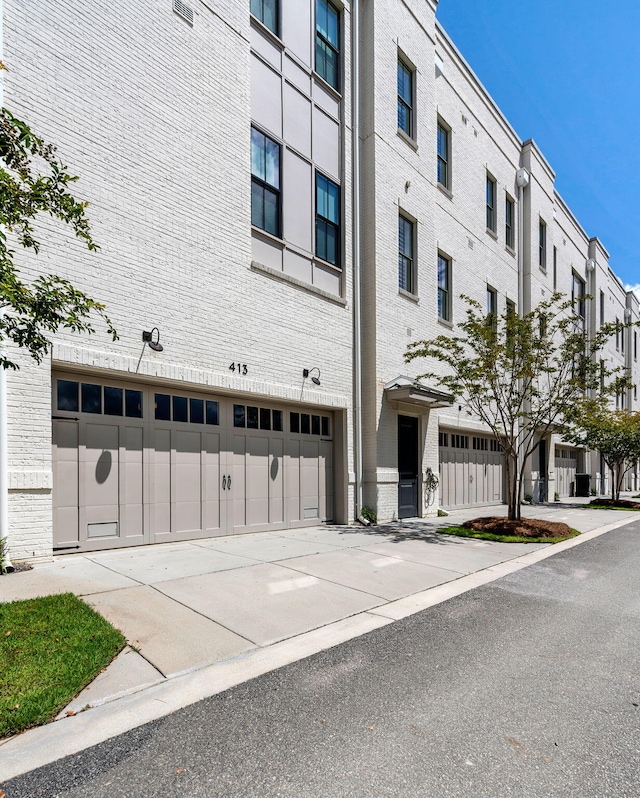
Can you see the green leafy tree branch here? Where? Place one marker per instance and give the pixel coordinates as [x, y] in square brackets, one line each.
[31, 313]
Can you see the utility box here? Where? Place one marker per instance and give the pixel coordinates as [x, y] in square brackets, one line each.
[583, 484]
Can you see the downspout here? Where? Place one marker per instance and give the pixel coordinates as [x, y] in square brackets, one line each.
[4, 446]
[357, 332]
[522, 181]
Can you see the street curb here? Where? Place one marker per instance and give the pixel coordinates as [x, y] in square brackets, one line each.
[70, 735]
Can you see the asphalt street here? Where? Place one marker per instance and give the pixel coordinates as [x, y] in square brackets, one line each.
[526, 687]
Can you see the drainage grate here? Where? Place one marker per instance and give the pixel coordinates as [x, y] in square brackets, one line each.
[183, 10]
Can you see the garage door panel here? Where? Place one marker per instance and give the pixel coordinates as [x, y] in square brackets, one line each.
[124, 479]
[470, 476]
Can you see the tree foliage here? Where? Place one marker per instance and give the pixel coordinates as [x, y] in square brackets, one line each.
[615, 433]
[31, 313]
[520, 374]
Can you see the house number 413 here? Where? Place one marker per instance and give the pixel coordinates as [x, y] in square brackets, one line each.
[241, 368]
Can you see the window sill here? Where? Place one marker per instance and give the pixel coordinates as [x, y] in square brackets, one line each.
[445, 323]
[492, 233]
[326, 264]
[269, 236]
[408, 295]
[325, 85]
[511, 251]
[260, 26]
[446, 191]
[287, 278]
[408, 139]
[543, 269]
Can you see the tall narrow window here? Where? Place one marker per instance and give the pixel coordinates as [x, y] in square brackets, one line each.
[444, 288]
[601, 308]
[617, 333]
[405, 254]
[328, 42]
[492, 307]
[327, 220]
[509, 231]
[491, 204]
[577, 296]
[635, 345]
[542, 245]
[265, 183]
[405, 98]
[444, 152]
[267, 12]
[555, 268]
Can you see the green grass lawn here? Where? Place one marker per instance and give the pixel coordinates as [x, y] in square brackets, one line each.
[50, 648]
[463, 532]
[613, 507]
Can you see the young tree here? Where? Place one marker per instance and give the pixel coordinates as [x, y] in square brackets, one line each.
[31, 313]
[615, 433]
[519, 374]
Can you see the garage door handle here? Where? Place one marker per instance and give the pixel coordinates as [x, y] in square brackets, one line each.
[229, 482]
[224, 482]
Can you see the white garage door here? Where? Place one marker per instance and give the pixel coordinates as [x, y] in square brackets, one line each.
[136, 464]
[471, 470]
[566, 467]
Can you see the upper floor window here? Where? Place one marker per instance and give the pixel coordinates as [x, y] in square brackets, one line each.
[509, 229]
[327, 220]
[601, 308]
[267, 12]
[405, 98]
[265, 183]
[577, 296]
[444, 287]
[618, 327]
[328, 42]
[444, 156]
[405, 254]
[542, 245]
[555, 268]
[491, 204]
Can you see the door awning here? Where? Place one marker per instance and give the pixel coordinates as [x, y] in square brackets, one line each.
[409, 391]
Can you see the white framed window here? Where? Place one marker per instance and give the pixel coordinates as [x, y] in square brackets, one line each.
[542, 245]
[509, 222]
[265, 183]
[406, 94]
[267, 11]
[444, 155]
[328, 42]
[491, 203]
[406, 254]
[444, 287]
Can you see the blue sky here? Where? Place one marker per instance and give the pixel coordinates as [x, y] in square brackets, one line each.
[567, 74]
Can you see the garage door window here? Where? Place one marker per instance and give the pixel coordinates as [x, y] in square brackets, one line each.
[257, 418]
[186, 409]
[308, 424]
[90, 397]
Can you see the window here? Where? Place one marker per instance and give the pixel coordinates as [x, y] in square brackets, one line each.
[328, 42]
[635, 345]
[509, 230]
[86, 397]
[601, 308]
[443, 439]
[405, 254]
[542, 245]
[577, 296]
[617, 333]
[265, 183]
[444, 288]
[405, 98]
[492, 307]
[267, 12]
[327, 220]
[555, 268]
[444, 156]
[491, 204]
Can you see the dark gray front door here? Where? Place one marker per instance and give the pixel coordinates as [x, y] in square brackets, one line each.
[408, 467]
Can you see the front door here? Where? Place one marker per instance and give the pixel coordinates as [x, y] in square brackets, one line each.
[408, 467]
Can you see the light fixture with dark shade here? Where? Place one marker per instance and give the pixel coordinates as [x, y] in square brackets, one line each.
[307, 372]
[148, 337]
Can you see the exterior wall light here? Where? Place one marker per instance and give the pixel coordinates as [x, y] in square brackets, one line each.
[307, 373]
[148, 337]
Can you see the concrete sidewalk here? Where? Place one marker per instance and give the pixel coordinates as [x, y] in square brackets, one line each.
[206, 614]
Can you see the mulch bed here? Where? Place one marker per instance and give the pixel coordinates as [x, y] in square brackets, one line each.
[618, 503]
[525, 527]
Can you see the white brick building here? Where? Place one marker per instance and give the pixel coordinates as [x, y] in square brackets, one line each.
[216, 148]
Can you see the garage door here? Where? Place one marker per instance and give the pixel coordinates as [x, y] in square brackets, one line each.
[471, 470]
[136, 464]
[566, 467]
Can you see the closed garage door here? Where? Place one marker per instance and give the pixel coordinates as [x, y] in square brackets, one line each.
[566, 467]
[136, 464]
[471, 470]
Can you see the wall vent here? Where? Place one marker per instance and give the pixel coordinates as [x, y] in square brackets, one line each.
[183, 10]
